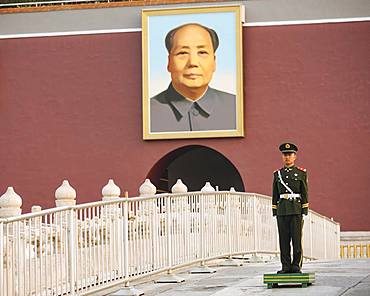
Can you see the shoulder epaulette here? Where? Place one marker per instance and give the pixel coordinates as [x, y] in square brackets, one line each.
[302, 169]
[277, 170]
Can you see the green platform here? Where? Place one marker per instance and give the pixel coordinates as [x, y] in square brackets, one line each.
[274, 279]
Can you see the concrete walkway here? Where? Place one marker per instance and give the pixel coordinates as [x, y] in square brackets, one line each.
[341, 277]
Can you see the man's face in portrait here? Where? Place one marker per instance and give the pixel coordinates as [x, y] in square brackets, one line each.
[289, 158]
[191, 61]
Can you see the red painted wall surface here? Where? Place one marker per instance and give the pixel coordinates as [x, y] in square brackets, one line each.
[70, 108]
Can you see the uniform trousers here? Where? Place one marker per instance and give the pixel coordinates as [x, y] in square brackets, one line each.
[290, 230]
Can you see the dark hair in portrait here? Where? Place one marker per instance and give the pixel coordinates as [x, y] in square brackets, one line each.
[212, 33]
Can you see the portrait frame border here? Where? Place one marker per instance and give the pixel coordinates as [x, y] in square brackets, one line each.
[239, 131]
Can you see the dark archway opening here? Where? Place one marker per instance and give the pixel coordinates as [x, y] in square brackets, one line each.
[195, 165]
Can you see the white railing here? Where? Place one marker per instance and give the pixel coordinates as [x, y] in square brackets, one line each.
[354, 244]
[81, 249]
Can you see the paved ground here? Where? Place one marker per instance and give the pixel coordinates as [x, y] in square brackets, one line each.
[342, 277]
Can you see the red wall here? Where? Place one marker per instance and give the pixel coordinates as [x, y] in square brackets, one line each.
[70, 108]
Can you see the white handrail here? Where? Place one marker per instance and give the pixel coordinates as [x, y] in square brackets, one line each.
[77, 250]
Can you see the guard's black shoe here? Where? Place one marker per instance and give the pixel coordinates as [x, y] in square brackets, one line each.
[295, 269]
[283, 271]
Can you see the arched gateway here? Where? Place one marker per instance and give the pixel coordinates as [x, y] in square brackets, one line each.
[195, 165]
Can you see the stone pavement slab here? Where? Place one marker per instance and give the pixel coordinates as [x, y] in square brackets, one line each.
[348, 277]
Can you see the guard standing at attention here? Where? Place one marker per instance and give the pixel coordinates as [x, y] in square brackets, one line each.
[289, 203]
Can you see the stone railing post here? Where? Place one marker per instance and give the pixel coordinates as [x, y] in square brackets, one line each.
[36, 209]
[203, 209]
[179, 187]
[208, 188]
[110, 191]
[208, 202]
[232, 227]
[170, 207]
[65, 195]
[114, 213]
[147, 188]
[10, 204]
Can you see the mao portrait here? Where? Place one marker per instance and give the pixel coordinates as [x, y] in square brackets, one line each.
[189, 105]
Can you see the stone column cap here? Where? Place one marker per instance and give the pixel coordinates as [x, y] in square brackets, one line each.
[111, 191]
[207, 188]
[179, 187]
[147, 188]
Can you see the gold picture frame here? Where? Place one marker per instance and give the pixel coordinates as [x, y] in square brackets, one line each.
[191, 90]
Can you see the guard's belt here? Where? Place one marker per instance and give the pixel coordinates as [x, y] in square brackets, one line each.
[290, 196]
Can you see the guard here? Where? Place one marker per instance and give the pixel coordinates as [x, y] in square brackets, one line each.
[289, 203]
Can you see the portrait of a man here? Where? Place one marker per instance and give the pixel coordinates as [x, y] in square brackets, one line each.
[192, 72]
[189, 103]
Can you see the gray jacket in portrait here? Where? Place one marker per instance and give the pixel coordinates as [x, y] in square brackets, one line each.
[171, 112]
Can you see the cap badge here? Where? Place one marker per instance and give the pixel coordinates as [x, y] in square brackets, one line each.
[287, 146]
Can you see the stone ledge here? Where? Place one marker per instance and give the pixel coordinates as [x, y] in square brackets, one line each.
[56, 7]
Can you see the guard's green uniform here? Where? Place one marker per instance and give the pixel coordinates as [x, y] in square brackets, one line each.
[288, 204]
